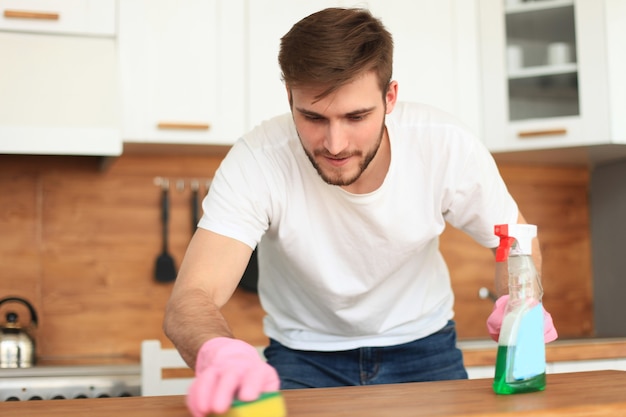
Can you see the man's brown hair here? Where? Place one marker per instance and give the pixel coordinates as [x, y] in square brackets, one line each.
[332, 47]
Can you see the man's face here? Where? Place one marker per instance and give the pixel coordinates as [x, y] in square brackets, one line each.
[342, 133]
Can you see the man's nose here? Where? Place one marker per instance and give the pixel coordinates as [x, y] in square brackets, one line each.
[336, 138]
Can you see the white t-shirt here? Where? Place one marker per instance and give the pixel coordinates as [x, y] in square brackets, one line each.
[338, 270]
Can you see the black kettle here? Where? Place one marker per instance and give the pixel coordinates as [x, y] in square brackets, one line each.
[17, 346]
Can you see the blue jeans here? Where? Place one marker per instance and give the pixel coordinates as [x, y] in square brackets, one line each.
[432, 358]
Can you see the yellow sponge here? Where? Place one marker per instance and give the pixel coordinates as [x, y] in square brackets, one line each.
[269, 404]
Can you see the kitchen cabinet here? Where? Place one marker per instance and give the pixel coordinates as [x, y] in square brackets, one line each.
[73, 17]
[435, 56]
[59, 87]
[181, 67]
[266, 95]
[552, 75]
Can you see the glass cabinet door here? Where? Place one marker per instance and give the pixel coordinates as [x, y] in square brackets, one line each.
[542, 70]
[545, 73]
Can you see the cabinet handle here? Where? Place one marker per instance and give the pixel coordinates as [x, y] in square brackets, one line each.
[535, 133]
[184, 126]
[23, 14]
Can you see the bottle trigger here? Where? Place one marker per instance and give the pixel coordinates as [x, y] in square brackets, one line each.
[502, 253]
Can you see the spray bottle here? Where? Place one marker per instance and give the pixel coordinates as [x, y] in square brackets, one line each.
[521, 358]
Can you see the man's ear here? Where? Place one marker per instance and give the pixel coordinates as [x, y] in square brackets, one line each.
[391, 96]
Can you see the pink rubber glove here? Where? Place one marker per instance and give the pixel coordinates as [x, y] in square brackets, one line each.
[227, 368]
[494, 322]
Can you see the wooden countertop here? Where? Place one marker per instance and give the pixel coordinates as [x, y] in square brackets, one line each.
[576, 394]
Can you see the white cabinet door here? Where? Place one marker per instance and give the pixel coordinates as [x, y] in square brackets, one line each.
[435, 55]
[73, 17]
[182, 69]
[58, 95]
[547, 74]
[268, 21]
[615, 18]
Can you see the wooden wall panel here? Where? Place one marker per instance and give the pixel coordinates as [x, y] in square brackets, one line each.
[556, 200]
[80, 243]
[20, 234]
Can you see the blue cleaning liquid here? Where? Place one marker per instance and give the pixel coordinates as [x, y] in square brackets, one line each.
[521, 360]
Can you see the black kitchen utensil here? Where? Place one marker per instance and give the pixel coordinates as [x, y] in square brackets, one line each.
[165, 270]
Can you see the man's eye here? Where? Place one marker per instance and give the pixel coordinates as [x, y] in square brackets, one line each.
[312, 118]
[356, 117]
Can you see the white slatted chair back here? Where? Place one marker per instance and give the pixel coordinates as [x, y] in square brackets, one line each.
[154, 359]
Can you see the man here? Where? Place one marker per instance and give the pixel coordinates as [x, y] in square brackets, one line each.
[346, 197]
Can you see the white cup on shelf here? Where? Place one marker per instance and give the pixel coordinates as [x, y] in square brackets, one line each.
[559, 53]
[514, 57]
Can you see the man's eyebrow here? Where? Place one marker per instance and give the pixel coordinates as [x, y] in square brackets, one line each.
[360, 111]
[308, 112]
[352, 113]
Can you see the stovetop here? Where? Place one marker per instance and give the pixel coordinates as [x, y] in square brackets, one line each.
[69, 382]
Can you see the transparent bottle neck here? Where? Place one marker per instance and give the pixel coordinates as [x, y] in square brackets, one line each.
[524, 281]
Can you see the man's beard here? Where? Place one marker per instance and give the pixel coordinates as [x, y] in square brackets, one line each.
[338, 179]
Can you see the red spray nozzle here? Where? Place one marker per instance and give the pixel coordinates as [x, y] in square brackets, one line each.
[509, 234]
[502, 253]
[506, 241]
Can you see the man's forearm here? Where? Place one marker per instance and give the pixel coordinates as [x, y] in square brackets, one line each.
[502, 279]
[190, 320]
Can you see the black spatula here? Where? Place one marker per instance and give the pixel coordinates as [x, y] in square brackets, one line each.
[165, 270]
